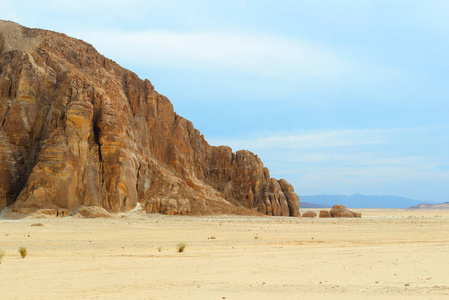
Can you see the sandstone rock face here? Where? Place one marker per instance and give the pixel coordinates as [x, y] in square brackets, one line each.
[340, 211]
[309, 214]
[79, 130]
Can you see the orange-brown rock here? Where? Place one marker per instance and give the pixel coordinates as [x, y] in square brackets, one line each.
[92, 212]
[340, 211]
[325, 214]
[309, 214]
[79, 130]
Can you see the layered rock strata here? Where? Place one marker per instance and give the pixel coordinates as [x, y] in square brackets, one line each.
[79, 130]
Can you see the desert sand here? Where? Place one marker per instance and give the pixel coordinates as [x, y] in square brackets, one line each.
[387, 254]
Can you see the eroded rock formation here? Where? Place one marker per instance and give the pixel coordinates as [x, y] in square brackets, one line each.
[79, 130]
[340, 211]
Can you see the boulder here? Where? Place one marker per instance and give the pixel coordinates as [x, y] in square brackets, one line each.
[309, 214]
[340, 211]
[325, 214]
[92, 212]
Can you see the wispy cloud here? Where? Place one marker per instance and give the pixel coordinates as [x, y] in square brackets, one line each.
[346, 161]
[415, 180]
[271, 56]
[361, 159]
[313, 139]
[300, 139]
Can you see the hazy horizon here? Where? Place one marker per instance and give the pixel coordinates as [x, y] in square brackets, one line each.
[336, 97]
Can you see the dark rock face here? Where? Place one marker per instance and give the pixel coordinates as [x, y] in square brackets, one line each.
[79, 130]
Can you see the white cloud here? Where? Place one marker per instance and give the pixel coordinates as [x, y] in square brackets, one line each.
[362, 159]
[301, 139]
[369, 161]
[416, 177]
[270, 56]
[415, 181]
[313, 139]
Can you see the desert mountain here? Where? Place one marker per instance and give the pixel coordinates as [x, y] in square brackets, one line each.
[444, 205]
[79, 130]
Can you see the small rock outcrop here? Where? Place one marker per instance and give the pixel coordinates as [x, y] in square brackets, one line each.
[76, 129]
[92, 212]
[309, 214]
[325, 214]
[340, 211]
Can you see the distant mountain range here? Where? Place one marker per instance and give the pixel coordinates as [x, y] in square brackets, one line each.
[444, 205]
[358, 201]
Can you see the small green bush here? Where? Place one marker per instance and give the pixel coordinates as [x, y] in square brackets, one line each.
[181, 247]
[23, 251]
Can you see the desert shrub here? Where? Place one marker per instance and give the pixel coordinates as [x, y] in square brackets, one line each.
[2, 254]
[23, 251]
[159, 249]
[181, 247]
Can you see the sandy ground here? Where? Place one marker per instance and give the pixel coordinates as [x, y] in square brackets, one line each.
[388, 254]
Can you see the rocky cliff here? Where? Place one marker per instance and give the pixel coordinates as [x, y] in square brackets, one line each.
[77, 129]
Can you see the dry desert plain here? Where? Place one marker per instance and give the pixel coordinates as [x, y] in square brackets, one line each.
[387, 254]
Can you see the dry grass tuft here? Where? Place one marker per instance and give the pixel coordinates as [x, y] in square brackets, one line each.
[23, 252]
[181, 247]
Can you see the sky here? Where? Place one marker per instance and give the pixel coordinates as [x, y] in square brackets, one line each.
[337, 97]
